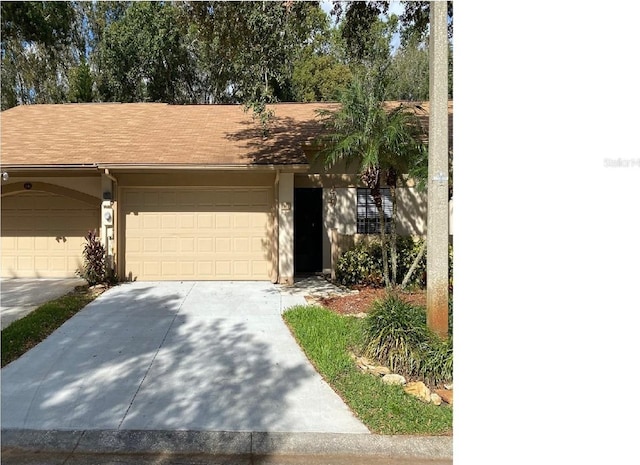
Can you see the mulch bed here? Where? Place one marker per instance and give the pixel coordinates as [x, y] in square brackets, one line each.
[361, 302]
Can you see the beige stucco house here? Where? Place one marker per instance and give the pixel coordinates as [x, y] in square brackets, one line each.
[190, 192]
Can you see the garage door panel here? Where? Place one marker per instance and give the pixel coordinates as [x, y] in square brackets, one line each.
[186, 221]
[151, 221]
[60, 263]
[169, 245]
[43, 234]
[223, 221]
[205, 220]
[151, 267]
[223, 245]
[258, 267]
[242, 244]
[205, 245]
[223, 269]
[187, 245]
[150, 244]
[257, 244]
[241, 267]
[169, 221]
[25, 263]
[204, 268]
[215, 233]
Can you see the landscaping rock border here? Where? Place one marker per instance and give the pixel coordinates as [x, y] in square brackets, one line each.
[415, 388]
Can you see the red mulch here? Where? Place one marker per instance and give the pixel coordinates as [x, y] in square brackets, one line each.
[361, 302]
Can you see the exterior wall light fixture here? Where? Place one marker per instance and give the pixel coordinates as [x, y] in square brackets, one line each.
[332, 196]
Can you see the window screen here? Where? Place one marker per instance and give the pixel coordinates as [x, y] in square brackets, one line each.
[368, 217]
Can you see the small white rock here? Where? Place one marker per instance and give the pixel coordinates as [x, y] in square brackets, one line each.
[436, 399]
[394, 379]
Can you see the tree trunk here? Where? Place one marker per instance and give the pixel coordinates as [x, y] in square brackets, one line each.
[394, 238]
[371, 178]
[392, 182]
[377, 198]
[414, 265]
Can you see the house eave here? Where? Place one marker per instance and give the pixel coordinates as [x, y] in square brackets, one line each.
[203, 167]
[25, 167]
[295, 167]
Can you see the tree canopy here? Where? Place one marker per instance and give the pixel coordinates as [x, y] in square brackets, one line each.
[182, 52]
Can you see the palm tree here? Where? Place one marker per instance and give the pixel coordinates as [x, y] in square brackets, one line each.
[382, 139]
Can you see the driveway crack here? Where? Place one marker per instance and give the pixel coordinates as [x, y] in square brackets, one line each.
[153, 359]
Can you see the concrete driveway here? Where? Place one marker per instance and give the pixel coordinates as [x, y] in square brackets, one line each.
[19, 297]
[210, 356]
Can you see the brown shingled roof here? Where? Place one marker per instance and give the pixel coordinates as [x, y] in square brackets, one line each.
[156, 133]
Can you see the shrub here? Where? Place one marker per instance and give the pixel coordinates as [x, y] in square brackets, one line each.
[362, 265]
[397, 336]
[94, 269]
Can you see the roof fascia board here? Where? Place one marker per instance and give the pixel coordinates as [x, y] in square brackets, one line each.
[192, 167]
[157, 167]
[91, 167]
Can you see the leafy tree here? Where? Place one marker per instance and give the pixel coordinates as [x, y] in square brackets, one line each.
[319, 78]
[382, 142]
[49, 24]
[358, 27]
[143, 56]
[80, 83]
[321, 71]
[409, 73]
[252, 46]
[357, 21]
[36, 46]
[416, 19]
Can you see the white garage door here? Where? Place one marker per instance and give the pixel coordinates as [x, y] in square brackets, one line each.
[198, 234]
[43, 234]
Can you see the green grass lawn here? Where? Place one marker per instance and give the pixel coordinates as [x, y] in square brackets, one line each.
[27, 332]
[326, 338]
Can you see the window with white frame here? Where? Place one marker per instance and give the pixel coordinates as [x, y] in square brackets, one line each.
[368, 217]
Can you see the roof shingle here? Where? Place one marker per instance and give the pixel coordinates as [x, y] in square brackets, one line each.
[156, 133]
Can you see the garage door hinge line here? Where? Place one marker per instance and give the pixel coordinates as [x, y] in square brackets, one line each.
[153, 359]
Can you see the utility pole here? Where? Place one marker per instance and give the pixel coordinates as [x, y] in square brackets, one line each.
[438, 181]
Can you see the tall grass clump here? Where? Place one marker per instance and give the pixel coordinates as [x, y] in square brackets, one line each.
[396, 335]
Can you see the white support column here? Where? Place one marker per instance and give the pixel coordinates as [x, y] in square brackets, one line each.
[107, 219]
[285, 228]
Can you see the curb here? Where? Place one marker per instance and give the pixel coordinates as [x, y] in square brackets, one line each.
[228, 443]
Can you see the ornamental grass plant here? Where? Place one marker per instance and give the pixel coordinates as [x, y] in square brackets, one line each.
[396, 335]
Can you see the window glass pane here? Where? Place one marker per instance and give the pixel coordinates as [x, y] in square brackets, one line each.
[368, 221]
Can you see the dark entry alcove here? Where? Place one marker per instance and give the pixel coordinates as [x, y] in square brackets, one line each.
[307, 230]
